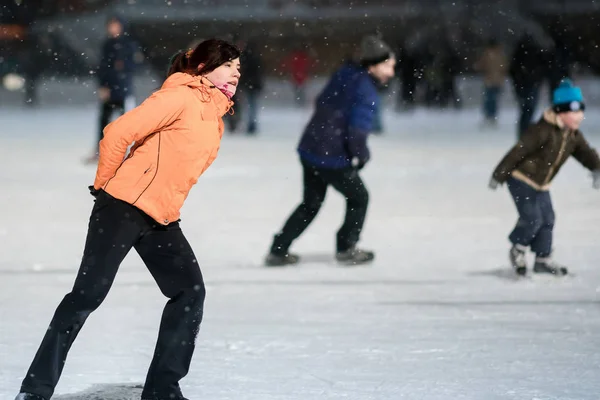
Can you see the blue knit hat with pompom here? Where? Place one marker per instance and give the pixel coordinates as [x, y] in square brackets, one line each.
[567, 97]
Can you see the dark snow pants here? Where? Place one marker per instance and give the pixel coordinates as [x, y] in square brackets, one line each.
[536, 218]
[114, 228]
[347, 181]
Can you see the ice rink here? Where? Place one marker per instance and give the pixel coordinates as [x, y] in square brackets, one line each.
[437, 316]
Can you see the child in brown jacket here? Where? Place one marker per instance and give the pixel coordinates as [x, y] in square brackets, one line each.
[529, 167]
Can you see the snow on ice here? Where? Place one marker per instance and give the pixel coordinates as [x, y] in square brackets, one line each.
[436, 317]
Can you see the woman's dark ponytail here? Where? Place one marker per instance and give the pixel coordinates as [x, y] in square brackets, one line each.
[210, 53]
[179, 63]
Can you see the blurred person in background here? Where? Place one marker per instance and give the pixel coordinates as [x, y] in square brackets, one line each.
[115, 75]
[252, 85]
[560, 63]
[40, 55]
[493, 64]
[177, 132]
[333, 149]
[409, 72]
[247, 98]
[529, 168]
[298, 65]
[528, 70]
[452, 67]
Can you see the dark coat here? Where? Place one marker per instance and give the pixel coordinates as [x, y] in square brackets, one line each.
[343, 118]
[251, 69]
[529, 64]
[117, 67]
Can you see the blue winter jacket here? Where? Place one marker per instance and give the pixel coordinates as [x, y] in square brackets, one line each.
[117, 67]
[343, 117]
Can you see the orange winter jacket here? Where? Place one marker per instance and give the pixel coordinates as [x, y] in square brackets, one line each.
[176, 134]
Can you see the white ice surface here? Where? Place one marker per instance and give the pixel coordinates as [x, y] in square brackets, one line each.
[436, 317]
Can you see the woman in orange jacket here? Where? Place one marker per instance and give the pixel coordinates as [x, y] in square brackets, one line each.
[175, 134]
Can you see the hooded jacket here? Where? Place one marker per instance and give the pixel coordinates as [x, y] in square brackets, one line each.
[177, 133]
[542, 151]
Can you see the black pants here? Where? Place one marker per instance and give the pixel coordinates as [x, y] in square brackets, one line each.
[316, 180]
[114, 228]
[106, 112]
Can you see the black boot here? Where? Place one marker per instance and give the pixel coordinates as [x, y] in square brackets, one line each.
[354, 256]
[545, 265]
[276, 260]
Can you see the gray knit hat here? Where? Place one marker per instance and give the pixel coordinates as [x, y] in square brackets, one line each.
[373, 50]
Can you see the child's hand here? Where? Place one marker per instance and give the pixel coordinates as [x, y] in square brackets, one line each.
[596, 179]
[493, 184]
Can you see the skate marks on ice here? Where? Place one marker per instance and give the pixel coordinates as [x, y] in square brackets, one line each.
[317, 258]
[313, 260]
[107, 391]
[504, 272]
[36, 270]
[306, 259]
[491, 303]
[508, 273]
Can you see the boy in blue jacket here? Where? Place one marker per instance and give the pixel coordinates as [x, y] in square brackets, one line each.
[333, 149]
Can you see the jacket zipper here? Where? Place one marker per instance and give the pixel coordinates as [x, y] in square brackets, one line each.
[560, 151]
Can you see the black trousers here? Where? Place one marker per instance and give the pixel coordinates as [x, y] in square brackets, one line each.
[114, 228]
[106, 111]
[347, 181]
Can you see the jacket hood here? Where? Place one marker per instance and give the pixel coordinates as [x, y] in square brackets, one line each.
[208, 91]
[552, 118]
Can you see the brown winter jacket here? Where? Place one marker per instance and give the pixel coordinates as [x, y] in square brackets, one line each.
[541, 152]
[493, 65]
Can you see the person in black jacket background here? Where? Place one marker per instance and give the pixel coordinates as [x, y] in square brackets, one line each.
[252, 84]
[527, 70]
[115, 74]
[247, 97]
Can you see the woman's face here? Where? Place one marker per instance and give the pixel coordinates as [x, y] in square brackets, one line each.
[226, 77]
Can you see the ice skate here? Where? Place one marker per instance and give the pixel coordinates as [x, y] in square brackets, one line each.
[29, 396]
[354, 256]
[517, 259]
[545, 265]
[276, 260]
